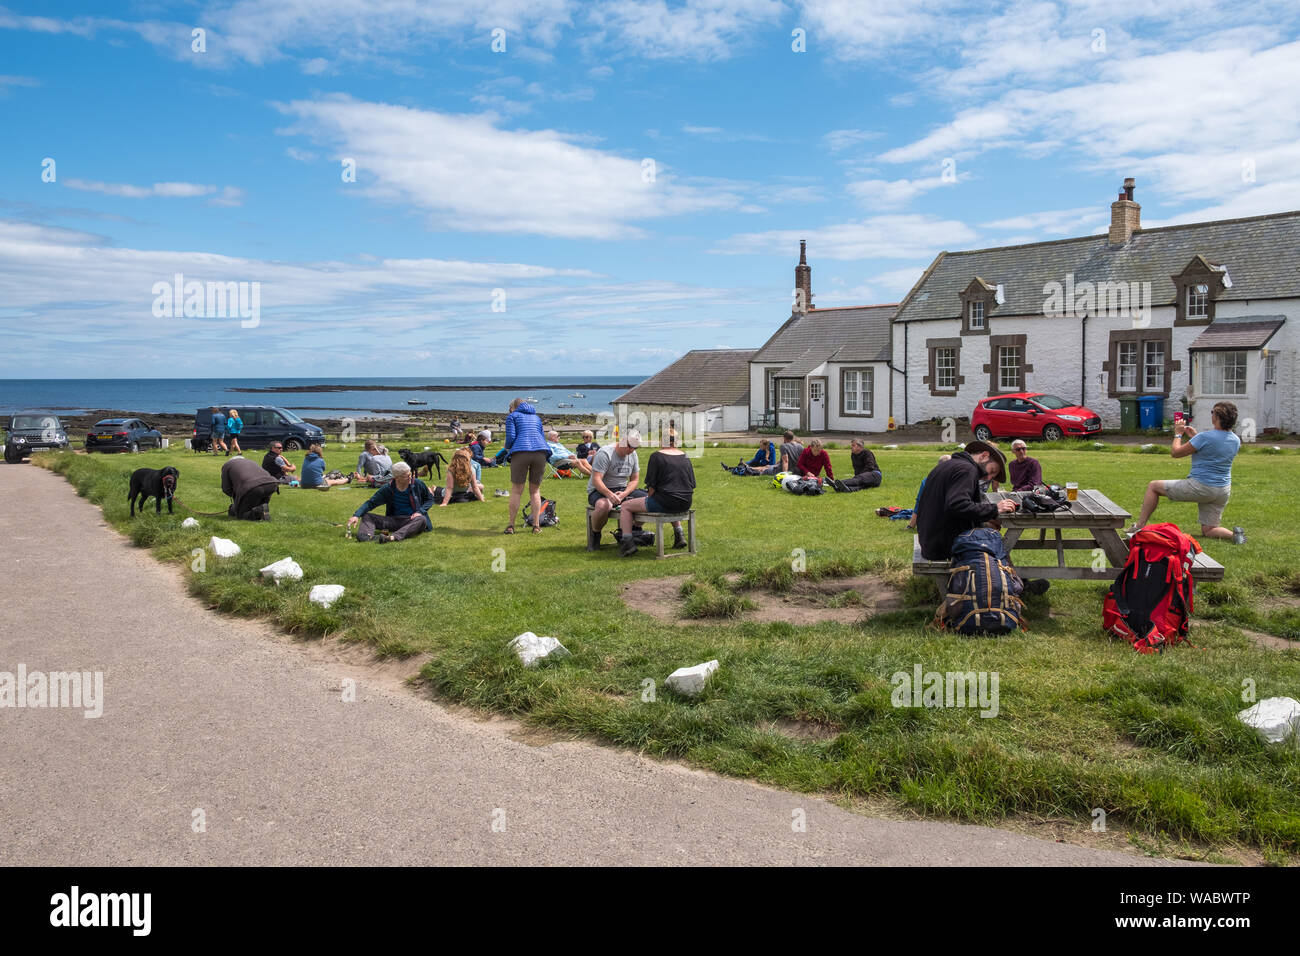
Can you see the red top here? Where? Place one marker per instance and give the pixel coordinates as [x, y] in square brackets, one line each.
[811, 463]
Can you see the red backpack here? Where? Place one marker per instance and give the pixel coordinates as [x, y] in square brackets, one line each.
[1151, 600]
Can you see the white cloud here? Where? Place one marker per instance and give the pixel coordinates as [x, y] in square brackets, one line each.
[905, 236]
[838, 139]
[471, 175]
[877, 193]
[157, 190]
[695, 29]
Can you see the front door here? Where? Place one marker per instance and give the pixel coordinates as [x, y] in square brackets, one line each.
[1268, 393]
[817, 404]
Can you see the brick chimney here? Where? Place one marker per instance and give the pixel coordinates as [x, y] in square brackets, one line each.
[803, 280]
[1125, 215]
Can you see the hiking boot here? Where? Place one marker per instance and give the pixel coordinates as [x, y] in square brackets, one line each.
[725, 466]
[1238, 535]
[1037, 586]
[679, 540]
[626, 546]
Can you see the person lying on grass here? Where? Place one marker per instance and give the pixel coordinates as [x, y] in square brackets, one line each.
[461, 483]
[763, 463]
[1209, 483]
[407, 500]
[866, 473]
[670, 486]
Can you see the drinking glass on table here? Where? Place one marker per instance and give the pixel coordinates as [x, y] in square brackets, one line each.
[1072, 490]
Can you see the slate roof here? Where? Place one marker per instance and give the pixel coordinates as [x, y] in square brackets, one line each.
[1261, 253]
[851, 334]
[1251, 332]
[701, 377]
[805, 363]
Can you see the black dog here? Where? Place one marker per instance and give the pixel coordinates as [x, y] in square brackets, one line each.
[427, 460]
[156, 483]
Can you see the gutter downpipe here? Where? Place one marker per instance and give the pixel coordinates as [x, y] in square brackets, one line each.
[1083, 363]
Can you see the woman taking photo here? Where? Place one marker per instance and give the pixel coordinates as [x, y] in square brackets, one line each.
[527, 451]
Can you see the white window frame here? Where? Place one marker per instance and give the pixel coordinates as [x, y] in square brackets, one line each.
[945, 376]
[977, 315]
[1198, 301]
[1216, 363]
[859, 397]
[771, 387]
[781, 402]
[1131, 367]
[1006, 352]
[1153, 373]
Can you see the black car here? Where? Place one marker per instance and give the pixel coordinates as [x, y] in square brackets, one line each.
[263, 424]
[122, 434]
[33, 431]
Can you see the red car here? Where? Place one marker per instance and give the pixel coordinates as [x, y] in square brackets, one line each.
[1030, 415]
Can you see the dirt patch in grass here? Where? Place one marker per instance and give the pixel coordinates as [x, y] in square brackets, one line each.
[829, 600]
[1271, 641]
[802, 729]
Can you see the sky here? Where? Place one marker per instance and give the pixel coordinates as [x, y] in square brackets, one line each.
[427, 187]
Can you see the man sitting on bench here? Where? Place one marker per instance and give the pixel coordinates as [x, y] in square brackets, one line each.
[670, 480]
[615, 472]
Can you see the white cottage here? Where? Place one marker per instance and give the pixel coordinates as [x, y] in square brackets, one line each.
[1200, 313]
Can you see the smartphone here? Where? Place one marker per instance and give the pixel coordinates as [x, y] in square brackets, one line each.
[1178, 417]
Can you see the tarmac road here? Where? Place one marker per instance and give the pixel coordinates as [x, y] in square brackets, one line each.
[220, 720]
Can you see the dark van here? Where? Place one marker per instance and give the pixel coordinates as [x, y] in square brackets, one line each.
[263, 424]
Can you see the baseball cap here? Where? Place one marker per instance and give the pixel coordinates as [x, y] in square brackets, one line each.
[633, 438]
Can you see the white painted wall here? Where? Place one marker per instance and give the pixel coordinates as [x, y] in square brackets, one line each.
[879, 421]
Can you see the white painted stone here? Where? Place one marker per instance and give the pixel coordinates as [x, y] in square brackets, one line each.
[691, 680]
[1275, 719]
[532, 648]
[223, 547]
[1148, 446]
[190, 523]
[325, 594]
[889, 447]
[282, 569]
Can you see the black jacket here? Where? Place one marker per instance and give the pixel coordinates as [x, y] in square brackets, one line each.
[863, 462]
[951, 503]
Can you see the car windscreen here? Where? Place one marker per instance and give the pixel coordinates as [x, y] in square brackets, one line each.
[35, 421]
[1051, 401]
[290, 416]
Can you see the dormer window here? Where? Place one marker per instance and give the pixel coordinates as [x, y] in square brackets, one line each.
[976, 321]
[978, 300]
[1198, 285]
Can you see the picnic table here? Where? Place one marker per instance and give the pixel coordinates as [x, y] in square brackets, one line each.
[1093, 513]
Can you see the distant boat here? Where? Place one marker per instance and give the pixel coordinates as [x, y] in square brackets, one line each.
[530, 398]
[565, 405]
[577, 395]
[415, 401]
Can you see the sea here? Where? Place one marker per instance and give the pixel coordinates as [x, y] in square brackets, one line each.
[337, 398]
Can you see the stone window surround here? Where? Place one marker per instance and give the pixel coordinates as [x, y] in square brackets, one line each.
[1192, 275]
[997, 342]
[1141, 337]
[958, 378]
[864, 370]
[975, 292]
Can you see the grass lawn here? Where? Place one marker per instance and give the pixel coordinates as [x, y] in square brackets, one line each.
[1082, 722]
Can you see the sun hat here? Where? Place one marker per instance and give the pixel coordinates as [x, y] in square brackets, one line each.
[975, 447]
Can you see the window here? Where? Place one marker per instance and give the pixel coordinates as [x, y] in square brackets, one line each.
[1128, 366]
[789, 394]
[1198, 301]
[1153, 377]
[1223, 373]
[977, 315]
[1009, 367]
[771, 388]
[945, 368]
[857, 391]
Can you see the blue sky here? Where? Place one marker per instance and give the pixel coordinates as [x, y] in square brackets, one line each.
[901, 130]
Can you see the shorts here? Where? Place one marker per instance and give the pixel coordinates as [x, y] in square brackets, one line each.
[594, 496]
[665, 506]
[1210, 499]
[528, 464]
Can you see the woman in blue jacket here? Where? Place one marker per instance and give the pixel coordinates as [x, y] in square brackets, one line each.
[763, 463]
[234, 425]
[527, 450]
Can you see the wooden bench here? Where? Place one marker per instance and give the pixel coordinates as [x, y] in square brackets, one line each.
[1204, 567]
[593, 537]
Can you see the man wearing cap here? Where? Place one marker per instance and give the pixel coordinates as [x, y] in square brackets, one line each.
[615, 472]
[1026, 472]
[950, 502]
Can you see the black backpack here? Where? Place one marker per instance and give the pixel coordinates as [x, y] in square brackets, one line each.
[548, 516]
[983, 595]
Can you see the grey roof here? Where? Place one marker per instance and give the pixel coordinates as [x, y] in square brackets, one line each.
[1261, 254]
[700, 377]
[1246, 332]
[805, 363]
[852, 334]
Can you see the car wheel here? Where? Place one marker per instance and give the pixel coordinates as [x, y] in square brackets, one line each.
[1052, 432]
[983, 433]
[12, 455]
[135, 448]
[292, 444]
